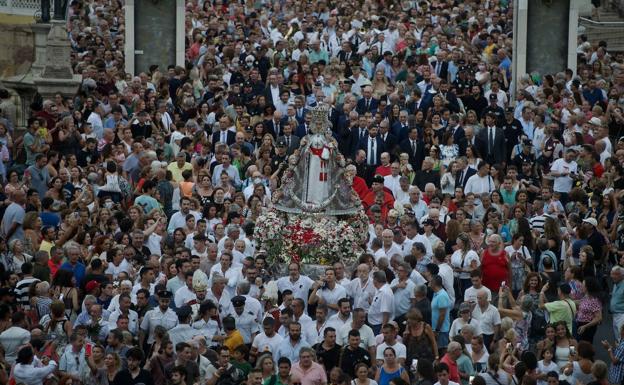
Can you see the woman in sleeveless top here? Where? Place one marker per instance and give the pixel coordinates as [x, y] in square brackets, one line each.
[63, 290]
[419, 338]
[57, 326]
[563, 343]
[390, 368]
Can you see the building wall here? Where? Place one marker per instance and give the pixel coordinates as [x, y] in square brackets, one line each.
[17, 44]
[154, 34]
[547, 36]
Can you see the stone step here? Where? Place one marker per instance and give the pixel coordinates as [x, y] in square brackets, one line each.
[610, 31]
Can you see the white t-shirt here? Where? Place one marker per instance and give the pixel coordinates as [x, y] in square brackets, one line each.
[383, 302]
[459, 323]
[470, 295]
[460, 261]
[563, 183]
[487, 319]
[399, 349]
[332, 296]
[477, 185]
[448, 278]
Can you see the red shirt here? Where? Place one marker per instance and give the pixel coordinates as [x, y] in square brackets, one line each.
[453, 369]
[54, 267]
[495, 269]
[360, 187]
[383, 170]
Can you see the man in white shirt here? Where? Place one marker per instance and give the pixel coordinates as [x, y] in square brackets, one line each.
[392, 181]
[488, 316]
[390, 331]
[95, 119]
[382, 306]
[446, 272]
[361, 288]
[389, 247]
[419, 206]
[268, 341]
[343, 317]
[299, 284]
[481, 182]
[15, 336]
[403, 288]
[565, 171]
[367, 337]
[412, 236]
[470, 295]
[327, 291]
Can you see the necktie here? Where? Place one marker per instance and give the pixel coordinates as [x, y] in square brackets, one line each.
[367, 104]
[491, 140]
[461, 178]
[413, 147]
[371, 154]
[381, 51]
[223, 137]
[288, 141]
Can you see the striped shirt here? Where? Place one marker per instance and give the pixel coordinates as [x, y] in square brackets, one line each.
[537, 223]
[21, 291]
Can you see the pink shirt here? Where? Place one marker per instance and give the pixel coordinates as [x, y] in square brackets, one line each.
[314, 375]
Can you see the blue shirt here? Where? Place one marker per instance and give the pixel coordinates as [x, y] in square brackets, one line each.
[616, 304]
[286, 349]
[79, 271]
[50, 219]
[441, 301]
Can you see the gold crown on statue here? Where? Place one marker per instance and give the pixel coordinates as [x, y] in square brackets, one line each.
[320, 118]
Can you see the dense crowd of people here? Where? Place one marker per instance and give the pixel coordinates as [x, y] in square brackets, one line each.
[496, 237]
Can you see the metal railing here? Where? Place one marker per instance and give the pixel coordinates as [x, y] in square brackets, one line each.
[20, 7]
[597, 24]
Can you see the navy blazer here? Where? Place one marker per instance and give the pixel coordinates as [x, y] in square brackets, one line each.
[216, 137]
[361, 106]
[416, 159]
[363, 145]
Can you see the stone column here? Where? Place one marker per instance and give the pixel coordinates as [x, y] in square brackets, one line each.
[57, 74]
[41, 31]
[180, 33]
[129, 48]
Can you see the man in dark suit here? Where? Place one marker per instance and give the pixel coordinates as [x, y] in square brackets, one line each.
[274, 126]
[373, 146]
[455, 127]
[273, 91]
[468, 140]
[364, 171]
[367, 103]
[463, 173]
[389, 140]
[348, 135]
[449, 96]
[347, 56]
[415, 148]
[400, 128]
[304, 128]
[300, 110]
[441, 67]
[292, 141]
[492, 140]
[223, 135]
[426, 175]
